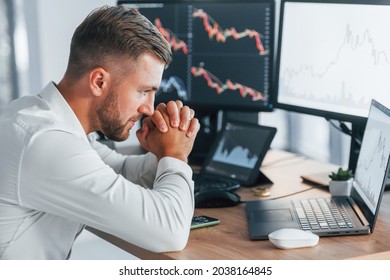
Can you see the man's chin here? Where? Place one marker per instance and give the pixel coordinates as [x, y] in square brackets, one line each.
[119, 138]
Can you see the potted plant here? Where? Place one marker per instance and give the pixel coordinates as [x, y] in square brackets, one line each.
[341, 182]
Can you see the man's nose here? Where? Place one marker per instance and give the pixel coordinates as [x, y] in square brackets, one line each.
[148, 107]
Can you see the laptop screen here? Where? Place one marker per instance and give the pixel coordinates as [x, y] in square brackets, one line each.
[373, 159]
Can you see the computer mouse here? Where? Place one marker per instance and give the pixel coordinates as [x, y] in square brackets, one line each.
[290, 238]
[216, 199]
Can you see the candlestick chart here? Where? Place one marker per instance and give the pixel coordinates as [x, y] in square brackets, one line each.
[171, 37]
[214, 30]
[219, 58]
[219, 86]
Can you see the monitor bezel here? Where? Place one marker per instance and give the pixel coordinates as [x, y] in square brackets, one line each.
[329, 115]
[269, 107]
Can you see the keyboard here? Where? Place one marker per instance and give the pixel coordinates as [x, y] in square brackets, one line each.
[202, 182]
[322, 213]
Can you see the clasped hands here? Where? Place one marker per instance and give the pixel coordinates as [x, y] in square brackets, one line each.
[170, 131]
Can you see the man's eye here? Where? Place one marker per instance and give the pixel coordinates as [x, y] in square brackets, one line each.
[146, 92]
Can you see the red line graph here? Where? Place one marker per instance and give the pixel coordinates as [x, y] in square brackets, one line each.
[214, 30]
[173, 41]
[215, 83]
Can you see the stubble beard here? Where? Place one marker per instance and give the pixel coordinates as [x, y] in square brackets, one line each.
[108, 115]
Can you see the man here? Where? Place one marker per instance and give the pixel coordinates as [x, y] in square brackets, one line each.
[55, 178]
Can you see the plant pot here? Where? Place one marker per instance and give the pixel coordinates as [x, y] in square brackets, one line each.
[340, 188]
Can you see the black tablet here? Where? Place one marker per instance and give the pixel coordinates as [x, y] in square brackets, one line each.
[238, 151]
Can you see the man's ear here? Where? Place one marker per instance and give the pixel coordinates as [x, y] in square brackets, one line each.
[99, 81]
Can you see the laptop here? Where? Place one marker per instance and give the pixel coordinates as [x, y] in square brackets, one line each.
[235, 157]
[359, 211]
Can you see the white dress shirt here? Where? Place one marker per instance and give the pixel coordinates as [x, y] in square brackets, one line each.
[54, 180]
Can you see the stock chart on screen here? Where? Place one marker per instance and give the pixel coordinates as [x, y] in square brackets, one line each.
[334, 56]
[222, 52]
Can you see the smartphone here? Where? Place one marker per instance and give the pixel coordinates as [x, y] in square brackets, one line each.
[203, 221]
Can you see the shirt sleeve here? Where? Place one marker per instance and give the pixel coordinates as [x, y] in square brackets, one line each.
[61, 174]
[139, 169]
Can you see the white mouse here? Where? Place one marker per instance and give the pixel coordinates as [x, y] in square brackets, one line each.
[289, 238]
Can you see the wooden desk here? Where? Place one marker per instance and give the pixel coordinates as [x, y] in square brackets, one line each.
[230, 239]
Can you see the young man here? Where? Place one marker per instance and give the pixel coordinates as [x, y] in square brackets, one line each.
[55, 178]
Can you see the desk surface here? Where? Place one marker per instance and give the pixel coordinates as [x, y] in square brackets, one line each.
[230, 239]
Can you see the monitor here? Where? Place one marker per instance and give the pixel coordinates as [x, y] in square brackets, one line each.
[222, 52]
[333, 59]
[235, 155]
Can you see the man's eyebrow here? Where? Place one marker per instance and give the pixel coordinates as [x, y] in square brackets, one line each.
[149, 88]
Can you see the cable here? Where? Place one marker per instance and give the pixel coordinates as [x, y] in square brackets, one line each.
[345, 129]
[342, 127]
[270, 164]
[283, 196]
[287, 195]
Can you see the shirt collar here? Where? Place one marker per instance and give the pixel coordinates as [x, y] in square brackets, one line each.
[61, 108]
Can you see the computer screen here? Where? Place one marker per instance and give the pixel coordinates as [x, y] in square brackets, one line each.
[239, 151]
[373, 159]
[222, 52]
[334, 57]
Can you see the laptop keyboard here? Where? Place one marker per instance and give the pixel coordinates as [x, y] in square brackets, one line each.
[208, 183]
[321, 213]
